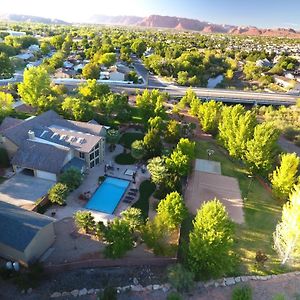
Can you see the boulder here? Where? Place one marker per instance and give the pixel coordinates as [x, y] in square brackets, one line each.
[82, 292]
[229, 281]
[156, 287]
[75, 293]
[55, 295]
[135, 281]
[91, 291]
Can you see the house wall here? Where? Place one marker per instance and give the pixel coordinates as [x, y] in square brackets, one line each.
[40, 243]
[45, 175]
[12, 254]
[10, 147]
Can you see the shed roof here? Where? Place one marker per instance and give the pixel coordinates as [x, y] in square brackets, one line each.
[20, 226]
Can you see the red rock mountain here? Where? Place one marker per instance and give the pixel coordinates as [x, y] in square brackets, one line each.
[177, 23]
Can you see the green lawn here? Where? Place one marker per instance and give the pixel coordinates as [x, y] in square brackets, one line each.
[129, 137]
[146, 190]
[125, 159]
[262, 213]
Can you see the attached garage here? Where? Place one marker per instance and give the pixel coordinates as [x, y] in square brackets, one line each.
[45, 175]
[24, 235]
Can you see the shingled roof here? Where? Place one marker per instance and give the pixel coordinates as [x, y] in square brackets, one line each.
[40, 156]
[20, 226]
[9, 122]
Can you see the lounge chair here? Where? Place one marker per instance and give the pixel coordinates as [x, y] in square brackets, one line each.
[132, 193]
[134, 190]
[127, 201]
[129, 198]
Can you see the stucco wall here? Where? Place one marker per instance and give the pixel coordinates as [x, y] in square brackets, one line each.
[40, 244]
[12, 254]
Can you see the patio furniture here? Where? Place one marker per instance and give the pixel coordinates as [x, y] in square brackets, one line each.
[132, 193]
[133, 190]
[127, 201]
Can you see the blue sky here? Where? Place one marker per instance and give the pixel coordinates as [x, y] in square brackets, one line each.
[261, 13]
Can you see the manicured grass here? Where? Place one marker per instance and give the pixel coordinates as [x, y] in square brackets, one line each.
[129, 137]
[261, 210]
[146, 190]
[125, 159]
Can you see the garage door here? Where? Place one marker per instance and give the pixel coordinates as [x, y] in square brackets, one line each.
[46, 175]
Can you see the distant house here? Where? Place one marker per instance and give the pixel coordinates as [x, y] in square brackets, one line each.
[64, 73]
[67, 64]
[282, 81]
[24, 235]
[78, 68]
[47, 145]
[263, 63]
[25, 56]
[34, 48]
[16, 33]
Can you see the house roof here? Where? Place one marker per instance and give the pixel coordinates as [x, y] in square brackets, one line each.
[40, 156]
[20, 226]
[9, 122]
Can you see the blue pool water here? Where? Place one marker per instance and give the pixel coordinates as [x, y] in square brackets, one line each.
[108, 195]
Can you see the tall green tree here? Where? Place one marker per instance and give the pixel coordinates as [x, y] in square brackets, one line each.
[189, 97]
[261, 149]
[85, 220]
[138, 47]
[236, 129]
[208, 115]
[138, 149]
[152, 142]
[172, 210]
[35, 87]
[6, 67]
[6, 104]
[284, 177]
[91, 71]
[211, 241]
[287, 234]
[78, 109]
[172, 133]
[158, 170]
[187, 147]
[178, 163]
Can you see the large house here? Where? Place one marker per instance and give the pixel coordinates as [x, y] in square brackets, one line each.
[46, 145]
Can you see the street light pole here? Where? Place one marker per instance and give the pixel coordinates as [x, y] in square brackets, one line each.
[249, 185]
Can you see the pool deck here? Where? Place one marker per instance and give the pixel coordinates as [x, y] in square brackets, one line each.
[90, 183]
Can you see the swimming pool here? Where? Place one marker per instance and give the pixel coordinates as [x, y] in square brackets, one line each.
[108, 195]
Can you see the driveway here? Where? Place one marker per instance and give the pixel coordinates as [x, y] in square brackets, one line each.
[22, 190]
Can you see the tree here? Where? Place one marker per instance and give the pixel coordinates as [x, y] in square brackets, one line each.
[6, 102]
[211, 241]
[236, 129]
[178, 163]
[119, 238]
[180, 278]
[6, 67]
[79, 109]
[208, 115]
[132, 76]
[107, 59]
[287, 237]
[172, 133]
[92, 90]
[133, 217]
[189, 97]
[158, 170]
[91, 71]
[284, 177]
[112, 136]
[85, 220]
[152, 143]
[35, 86]
[172, 210]
[261, 149]
[72, 178]
[138, 47]
[58, 193]
[187, 147]
[138, 149]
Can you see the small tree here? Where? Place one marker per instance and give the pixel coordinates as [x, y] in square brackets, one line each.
[138, 149]
[58, 193]
[158, 170]
[133, 217]
[172, 210]
[72, 178]
[172, 133]
[211, 241]
[287, 234]
[284, 177]
[85, 220]
[100, 229]
[119, 238]
[180, 278]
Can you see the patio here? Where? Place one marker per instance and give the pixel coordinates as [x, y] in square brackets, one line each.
[90, 184]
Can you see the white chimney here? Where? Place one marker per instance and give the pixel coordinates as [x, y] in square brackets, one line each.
[31, 135]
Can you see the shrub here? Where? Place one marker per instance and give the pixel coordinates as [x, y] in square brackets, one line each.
[133, 217]
[109, 293]
[278, 297]
[242, 293]
[290, 133]
[180, 278]
[58, 193]
[72, 178]
[85, 220]
[174, 296]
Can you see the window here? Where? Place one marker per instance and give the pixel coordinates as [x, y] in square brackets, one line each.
[81, 154]
[92, 156]
[97, 161]
[97, 153]
[92, 164]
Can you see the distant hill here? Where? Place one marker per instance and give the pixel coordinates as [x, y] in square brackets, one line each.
[158, 21]
[33, 19]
